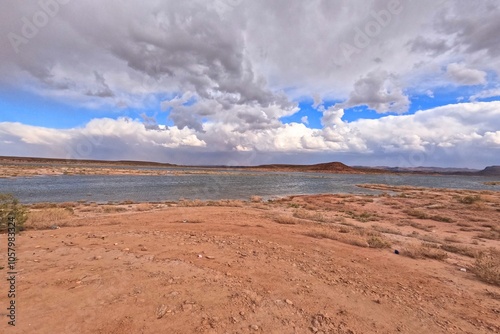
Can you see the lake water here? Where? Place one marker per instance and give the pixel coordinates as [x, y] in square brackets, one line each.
[230, 185]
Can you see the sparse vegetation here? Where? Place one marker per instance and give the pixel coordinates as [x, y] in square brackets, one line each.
[424, 251]
[471, 199]
[363, 217]
[113, 209]
[255, 199]
[492, 183]
[285, 220]
[378, 242]
[461, 250]
[422, 215]
[144, 207]
[10, 208]
[487, 266]
[40, 219]
[306, 214]
[386, 230]
[417, 214]
[441, 219]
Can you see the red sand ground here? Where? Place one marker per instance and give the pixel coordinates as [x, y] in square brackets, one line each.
[252, 267]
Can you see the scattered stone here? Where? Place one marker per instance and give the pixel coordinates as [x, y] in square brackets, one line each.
[288, 301]
[126, 249]
[463, 269]
[210, 257]
[97, 257]
[116, 244]
[396, 251]
[200, 256]
[54, 227]
[254, 327]
[143, 248]
[161, 311]
[187, 307]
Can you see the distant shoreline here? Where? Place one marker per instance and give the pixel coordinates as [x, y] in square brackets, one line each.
[26, 166]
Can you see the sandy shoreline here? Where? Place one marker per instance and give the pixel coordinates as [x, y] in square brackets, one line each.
[302, 264]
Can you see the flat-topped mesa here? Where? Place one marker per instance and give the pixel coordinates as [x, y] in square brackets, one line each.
[332, 166]
[336, 167]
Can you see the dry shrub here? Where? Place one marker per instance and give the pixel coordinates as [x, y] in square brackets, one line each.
[43, 205]
[113, 209]
[285, 220]
[417, 214]
[189, 203]
[461, 250]
[423, 251]
[255, 199]
[144, 207]
[364, 216]
[44, 218]
[487, 266]
[378, 242]
[222, 202]
[420, 226]
[493, 234]
[305, 214]
[67, 205]
[90, 209]
[441, 219]
[469, 199]
[387, 230]
[452, 239]
[351, 239]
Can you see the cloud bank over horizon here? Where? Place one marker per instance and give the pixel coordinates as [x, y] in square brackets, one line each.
[242, 82]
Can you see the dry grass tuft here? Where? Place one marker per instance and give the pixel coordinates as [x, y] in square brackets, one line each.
[255, 199]
[492, 234]
[364, 216]
[487, 266]
[144, 207]
[45, 218]
[422, 215]
[417, 214]
[387, 230]
[306, 214]
[113, 209]
[378, 242]
[461, 250]
[469, 199]
[285, 220]
[424, 251]
[441, 219]
[344, 238]
[43, 205]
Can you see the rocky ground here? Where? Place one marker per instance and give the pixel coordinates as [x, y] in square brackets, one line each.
[304, 264]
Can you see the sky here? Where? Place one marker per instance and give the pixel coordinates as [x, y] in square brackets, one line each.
[247, 82]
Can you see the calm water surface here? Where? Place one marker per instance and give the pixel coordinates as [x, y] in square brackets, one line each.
[230, 185]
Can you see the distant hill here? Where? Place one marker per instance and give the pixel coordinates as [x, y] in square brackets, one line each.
[490, 171]
[327, 167]
[332, 167]
[27, 160]
[439, 170]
